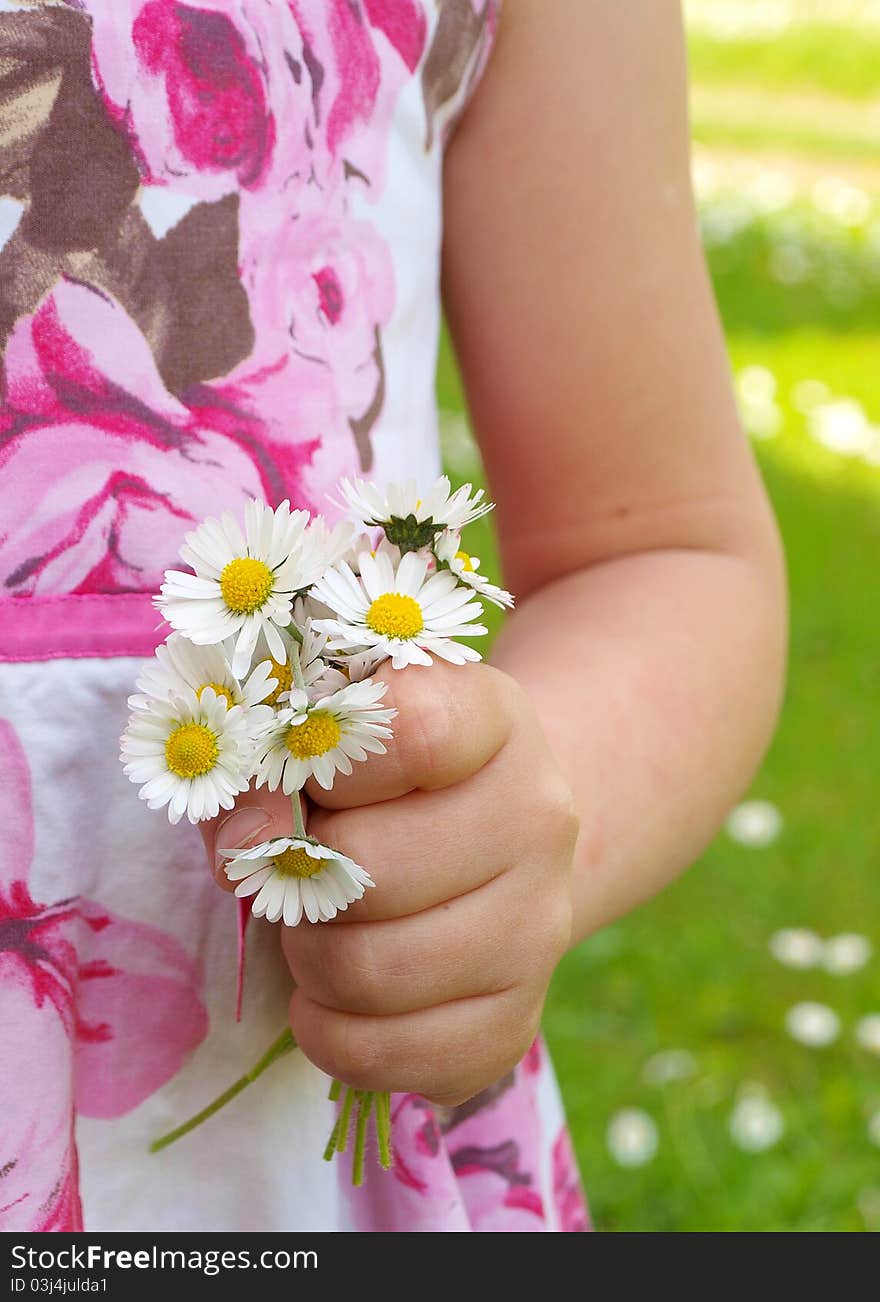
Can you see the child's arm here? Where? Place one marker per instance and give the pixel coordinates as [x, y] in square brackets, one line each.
[648, 646]
[631, 516]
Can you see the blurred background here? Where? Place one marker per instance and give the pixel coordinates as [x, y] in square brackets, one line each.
[719, 1051]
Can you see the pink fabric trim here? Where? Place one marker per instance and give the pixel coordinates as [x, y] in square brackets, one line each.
[75, 625]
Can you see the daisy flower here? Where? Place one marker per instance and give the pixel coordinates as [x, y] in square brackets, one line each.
[409, 518]
[401, 611]
[292, 876]
[358, 665]
[467, 569]
[331, 544]
[322, 738]
[306, 610]
[180, 665]
[244, 583]
[191, 753]
[318, 676]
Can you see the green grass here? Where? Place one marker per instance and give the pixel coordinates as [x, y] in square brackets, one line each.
[692, 969]
[712, 125]
[819, 56]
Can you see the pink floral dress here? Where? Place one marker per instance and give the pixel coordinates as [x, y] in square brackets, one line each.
[219, 255]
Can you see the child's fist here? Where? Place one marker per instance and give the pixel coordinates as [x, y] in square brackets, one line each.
[434, 982]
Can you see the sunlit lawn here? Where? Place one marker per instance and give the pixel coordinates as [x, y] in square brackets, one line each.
[693, 970]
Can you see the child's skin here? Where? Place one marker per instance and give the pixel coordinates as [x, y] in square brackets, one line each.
[522, 806]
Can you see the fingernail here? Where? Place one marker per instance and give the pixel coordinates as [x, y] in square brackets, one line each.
[238, 829]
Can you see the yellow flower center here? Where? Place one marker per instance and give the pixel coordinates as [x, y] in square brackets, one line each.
[245, 584]
[466, 562]
[191, 750]
[221, 691]
[319, 733]
[296, 863]
[395, 615]
[284, 675]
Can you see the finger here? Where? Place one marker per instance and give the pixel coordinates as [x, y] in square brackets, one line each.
[447, 1053]
[431, 846]
[430, 958]
[257, 816]
[450, 721]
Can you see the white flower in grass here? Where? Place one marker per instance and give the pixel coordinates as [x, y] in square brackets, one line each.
[797, 947]
[191, 753]
[874, 1129]
[669, 1065]
[292, 877]
[868, 1032]
[812, 1024]
[322, 738]
[399, 611]
[754, 823]
[756, 1123]
[846, 953]
[244, 583]
[632, 1137]
[179, 666]
[409, 517]
[466, 569]
[868, 1203]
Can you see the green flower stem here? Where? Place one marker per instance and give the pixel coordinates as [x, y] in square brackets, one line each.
[383, 1129]
[339, 1134]
[360, 1139]
[283, 1045]
[345, 1119]
[330, 1149]
[299, 826]
[335, 1090]
[297, 668]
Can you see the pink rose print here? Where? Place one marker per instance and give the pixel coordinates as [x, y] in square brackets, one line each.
[500, 1195]
[329, 309]
[403, 24]
[337, 290]
[220, 96]
[70, 975]
[362, 54]
[478, 1167]
[567, 1194]
[102, 471]
[421, 1187]
[496, 1154]
[217, 105]
[202, 90]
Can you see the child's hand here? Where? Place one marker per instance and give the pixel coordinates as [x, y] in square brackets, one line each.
[435, 981]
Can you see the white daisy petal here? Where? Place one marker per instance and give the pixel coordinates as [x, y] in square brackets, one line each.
[309, 899]
[318, 739]
[393, 615]
[398, 501]
[243, 582]
[292, 877]
[411, 574]
[293, 907]
[201, 757]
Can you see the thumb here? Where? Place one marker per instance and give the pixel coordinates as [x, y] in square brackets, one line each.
[257, 816]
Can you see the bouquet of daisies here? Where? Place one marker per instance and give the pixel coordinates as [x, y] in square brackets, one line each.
[267, 678]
